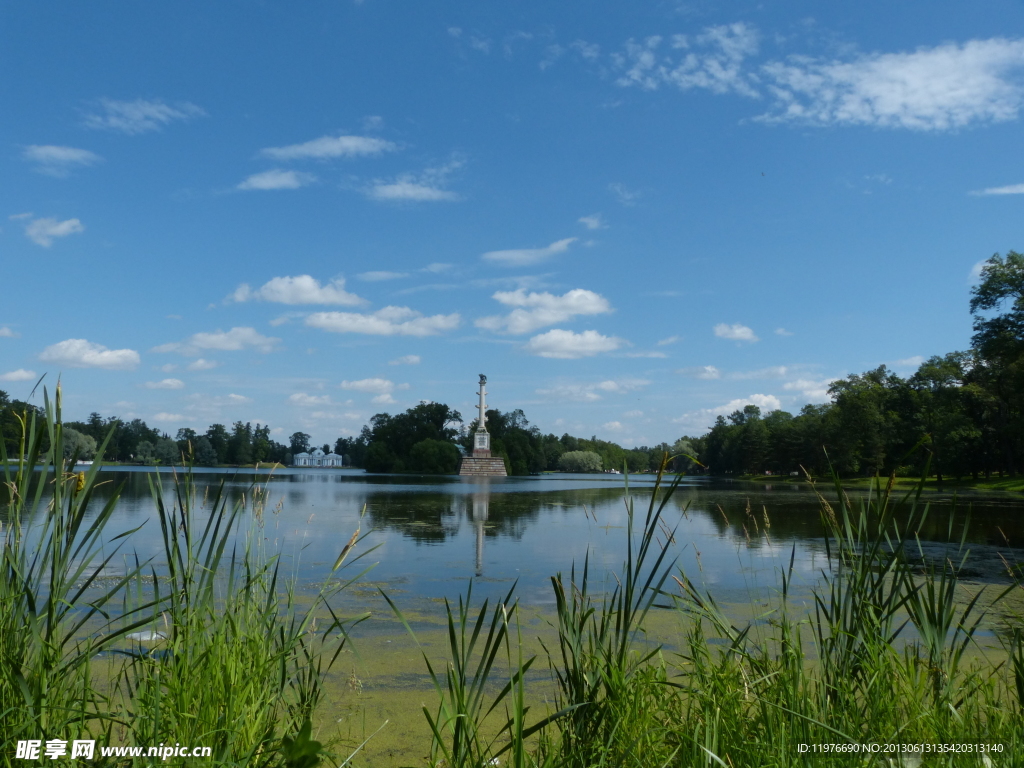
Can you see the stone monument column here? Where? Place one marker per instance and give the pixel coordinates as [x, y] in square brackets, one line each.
[482, 438]
[481, 463]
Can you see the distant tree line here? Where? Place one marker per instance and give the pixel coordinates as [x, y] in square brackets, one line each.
[964, 412]
[135, 441]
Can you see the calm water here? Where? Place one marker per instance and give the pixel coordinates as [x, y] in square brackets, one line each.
[436, 533]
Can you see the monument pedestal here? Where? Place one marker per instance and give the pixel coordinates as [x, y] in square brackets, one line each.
[483, 466]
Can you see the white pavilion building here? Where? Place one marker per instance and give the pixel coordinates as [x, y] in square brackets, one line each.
[317, 459]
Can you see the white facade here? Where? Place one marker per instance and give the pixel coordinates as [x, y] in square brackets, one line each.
[316, 459]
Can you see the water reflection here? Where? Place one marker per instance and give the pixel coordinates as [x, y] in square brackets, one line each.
[481, 500]
[437, 532]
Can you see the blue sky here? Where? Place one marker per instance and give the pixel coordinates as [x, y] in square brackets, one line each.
[630, 216]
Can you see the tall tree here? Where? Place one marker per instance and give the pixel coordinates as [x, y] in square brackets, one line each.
[299, 442]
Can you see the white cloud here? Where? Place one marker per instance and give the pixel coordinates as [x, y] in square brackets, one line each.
[372, 386]
[236, 339]
[20, 216]
[19, 375]
[814, 390]
[165, 417]
[909, 362]
[587, 51]
[277, 179]
[592, 222]
[165, 384]
[437, 267]
[772, 372]
[58, 161]
[764, 402]
[304, 400]
[536, 310]
[568, 345]
[613, 426]
[735, 332]
[140, 116]
[518, 257]
[712, 60]
[380, 276]
[942, 88]
[588, 393]
[657, 355]
[202, 365]
[406, 360]
[301, 289]
[43, 231]
[704, 418]
[384, 399]
[428, 186]
[621, 386]
[327, 147]
[406, 188]
[7, 333]
[1012, 189]
[389, 321]
[669, 340]
[706, 372]
[624, 195]
[783, 332]
[79, 353]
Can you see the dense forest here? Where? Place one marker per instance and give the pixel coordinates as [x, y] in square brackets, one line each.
[962, 414]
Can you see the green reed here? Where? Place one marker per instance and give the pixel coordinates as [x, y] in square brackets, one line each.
[887, 653]
[231, 656]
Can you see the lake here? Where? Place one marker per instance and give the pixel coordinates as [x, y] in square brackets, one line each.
[434, 534]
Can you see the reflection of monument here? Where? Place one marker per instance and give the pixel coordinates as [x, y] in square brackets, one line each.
[481, 462]
[480, 503]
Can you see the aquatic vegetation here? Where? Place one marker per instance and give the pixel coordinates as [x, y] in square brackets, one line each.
[887, 659]
[222, 653]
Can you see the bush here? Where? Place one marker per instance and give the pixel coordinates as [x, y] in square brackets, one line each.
[379, 458]
[434, 457]
[579, 461]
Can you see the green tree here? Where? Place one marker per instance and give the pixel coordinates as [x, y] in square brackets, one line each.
[580, 461]
[240, 444]
[390, 439]
[262, 445]
[435, 457]
[380, 458]
[218, 436]
[203, 452]
[997, 304]
[145, 451]
[299, 442]
[166, 451]
[76, 442]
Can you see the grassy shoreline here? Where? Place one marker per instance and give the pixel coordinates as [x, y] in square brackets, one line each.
[1002, 485]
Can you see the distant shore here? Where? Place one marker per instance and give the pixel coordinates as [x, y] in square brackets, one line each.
[1007, 484]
